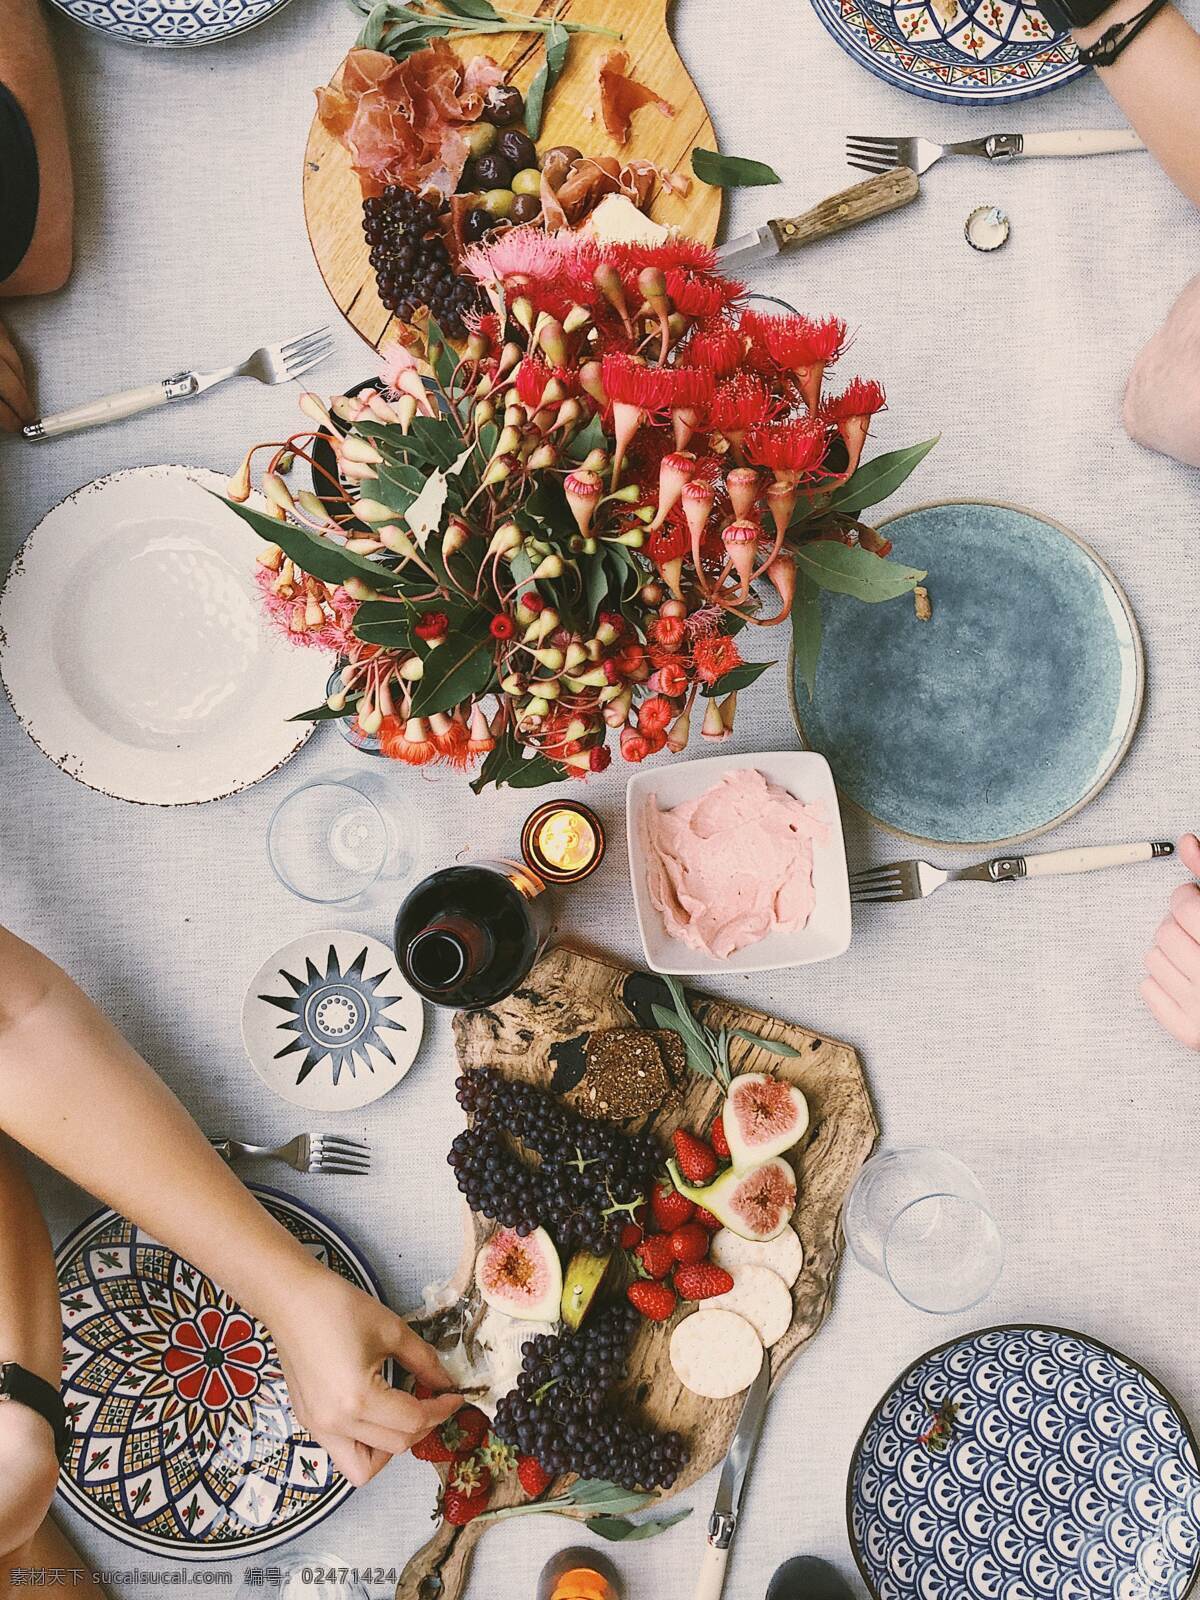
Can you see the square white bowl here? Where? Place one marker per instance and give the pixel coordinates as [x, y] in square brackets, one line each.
[804, 774]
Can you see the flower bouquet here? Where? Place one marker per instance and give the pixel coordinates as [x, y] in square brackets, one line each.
[559, 532]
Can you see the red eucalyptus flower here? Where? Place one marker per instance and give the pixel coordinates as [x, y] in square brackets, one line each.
[715, 656]
[718, 348]
[501, 627]
[795, 447]
[433, 625]
[740, 403]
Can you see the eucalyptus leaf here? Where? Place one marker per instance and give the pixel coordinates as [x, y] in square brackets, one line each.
[459, 667]
[848, 569]
[620, 1528]
[324, 713]
[592, 437]
[317, 556]
[806, 629]
[876, 479]
[535, 773]
[775, 1046]
[736, 678]
[558, 42]
[731, 172]
[506, 764]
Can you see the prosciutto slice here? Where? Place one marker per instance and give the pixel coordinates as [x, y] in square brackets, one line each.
[621, 96]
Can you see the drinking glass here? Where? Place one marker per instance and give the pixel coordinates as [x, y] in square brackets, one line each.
[344, 837]
[919, 1218]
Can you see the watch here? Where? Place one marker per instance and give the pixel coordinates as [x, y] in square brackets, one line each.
[27, 1389]
[1064, 15]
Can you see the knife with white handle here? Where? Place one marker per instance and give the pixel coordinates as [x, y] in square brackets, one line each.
[723, 1523]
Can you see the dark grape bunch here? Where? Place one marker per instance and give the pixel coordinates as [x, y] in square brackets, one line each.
[559, 1411]
[590, 1178]
[412, 264]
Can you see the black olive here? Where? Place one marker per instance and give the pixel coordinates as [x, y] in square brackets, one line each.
[525, 208]
[492, 171]
[476, 223]
[502, 104]
[518, 147]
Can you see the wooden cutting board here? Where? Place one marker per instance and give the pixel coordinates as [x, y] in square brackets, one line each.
[529, 1035]
[333, 203]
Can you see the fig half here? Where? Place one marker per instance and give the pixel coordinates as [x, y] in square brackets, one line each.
[756, 1203]
[521, 1275]
[762, 1117]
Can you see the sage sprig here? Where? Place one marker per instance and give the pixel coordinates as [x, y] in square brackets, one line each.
[606, 1504]
[707, 1050]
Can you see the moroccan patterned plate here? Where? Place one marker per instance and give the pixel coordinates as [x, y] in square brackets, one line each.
[170, 24]
[1025, 1463]
[1003, 714]
[329, 1022]
[967, 52]
[185, 1443]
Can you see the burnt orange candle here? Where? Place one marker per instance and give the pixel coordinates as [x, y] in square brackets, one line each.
[563, 841]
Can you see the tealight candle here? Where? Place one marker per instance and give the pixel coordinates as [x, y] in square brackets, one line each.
[563, 840]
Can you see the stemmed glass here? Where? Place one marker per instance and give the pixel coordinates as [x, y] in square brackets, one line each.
[919, 1218]
[344, 838]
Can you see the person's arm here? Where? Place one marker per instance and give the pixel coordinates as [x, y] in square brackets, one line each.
[74, 1093]
[28, 72]
[1172, 986]
[1156, 82]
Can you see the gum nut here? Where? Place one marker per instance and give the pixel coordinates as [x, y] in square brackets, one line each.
[528, 181]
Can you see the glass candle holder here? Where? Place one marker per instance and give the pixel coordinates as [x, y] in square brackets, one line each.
[563, 841]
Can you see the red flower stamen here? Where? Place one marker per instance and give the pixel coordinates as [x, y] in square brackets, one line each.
[739, 404]
[501, 627]
[714, 656]
[719, 348]
[796, 447]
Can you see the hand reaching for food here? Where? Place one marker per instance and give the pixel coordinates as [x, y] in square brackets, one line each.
[16, 408]
[1172, 987]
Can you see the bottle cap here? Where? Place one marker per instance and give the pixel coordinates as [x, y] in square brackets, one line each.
[987, 228]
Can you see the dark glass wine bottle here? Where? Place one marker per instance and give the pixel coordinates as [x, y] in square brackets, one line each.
[466, 936]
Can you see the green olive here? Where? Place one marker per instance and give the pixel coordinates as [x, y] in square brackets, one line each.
[481, 137]
[498, 202]
[527, 181]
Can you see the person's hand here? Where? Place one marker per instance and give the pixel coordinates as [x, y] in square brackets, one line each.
[1172, 989]
[333, 1341]
[16, 408]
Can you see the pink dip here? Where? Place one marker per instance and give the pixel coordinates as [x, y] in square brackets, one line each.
[733, 865]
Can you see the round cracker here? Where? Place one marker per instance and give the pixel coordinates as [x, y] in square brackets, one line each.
[716, 1354]
[784, 1254]
[762, 1298]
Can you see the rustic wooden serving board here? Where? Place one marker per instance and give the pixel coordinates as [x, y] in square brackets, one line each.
[570, 994]
[333, 203]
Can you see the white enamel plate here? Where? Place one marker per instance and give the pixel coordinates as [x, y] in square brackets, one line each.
[134, 648]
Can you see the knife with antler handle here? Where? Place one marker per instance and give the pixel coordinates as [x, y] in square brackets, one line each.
[863, 202]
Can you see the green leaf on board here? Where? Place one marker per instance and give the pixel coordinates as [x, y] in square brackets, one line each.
[876, 479]
[620, 1528]
[697, 1055]
[806, 629]
[736, 678]
[775, 1046]
[731, 172]
[558, 42]
[480, 10]
[458, 668]
[317, 556]
[848, 569]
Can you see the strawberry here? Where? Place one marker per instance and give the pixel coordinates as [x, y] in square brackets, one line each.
[702, 1282]
[421, 1390]
[656, 1301]
[465, 1431]
[432, 1448]
[695, 1158]
[460, 1506]
[497, 1456]
[631, 1236]
[534, 1478]
[670, 1208]
[707, 1221]
[716, 1137]
[469, 1477]
[689, 1243]
[655, 1256]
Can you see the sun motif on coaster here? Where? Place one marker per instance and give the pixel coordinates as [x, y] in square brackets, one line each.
[335, 1014]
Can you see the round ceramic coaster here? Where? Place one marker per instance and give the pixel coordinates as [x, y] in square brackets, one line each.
[329, 1023]
[134, 648]
[966, 52]
[1024, 1462]
[170, 23]
[185, 1443]
[1006, 710]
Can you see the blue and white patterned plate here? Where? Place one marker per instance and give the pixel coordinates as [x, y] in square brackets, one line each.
[967, 52]
[170, 24]
[185, 1441]
[1025, 1463]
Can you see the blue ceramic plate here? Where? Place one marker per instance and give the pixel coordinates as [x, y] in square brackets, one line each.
[185, 1442]
[170, 23]
[1005, 712]
[967, 52]
[1025, 1463]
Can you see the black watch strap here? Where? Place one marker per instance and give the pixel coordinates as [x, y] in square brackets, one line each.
[27, 1389]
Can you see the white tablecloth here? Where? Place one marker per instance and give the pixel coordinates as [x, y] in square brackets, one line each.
[1004, 1026]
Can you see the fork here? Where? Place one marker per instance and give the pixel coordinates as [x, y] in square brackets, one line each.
[917, 880]
[307, 1152]
[870, 153]
[273, 363]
